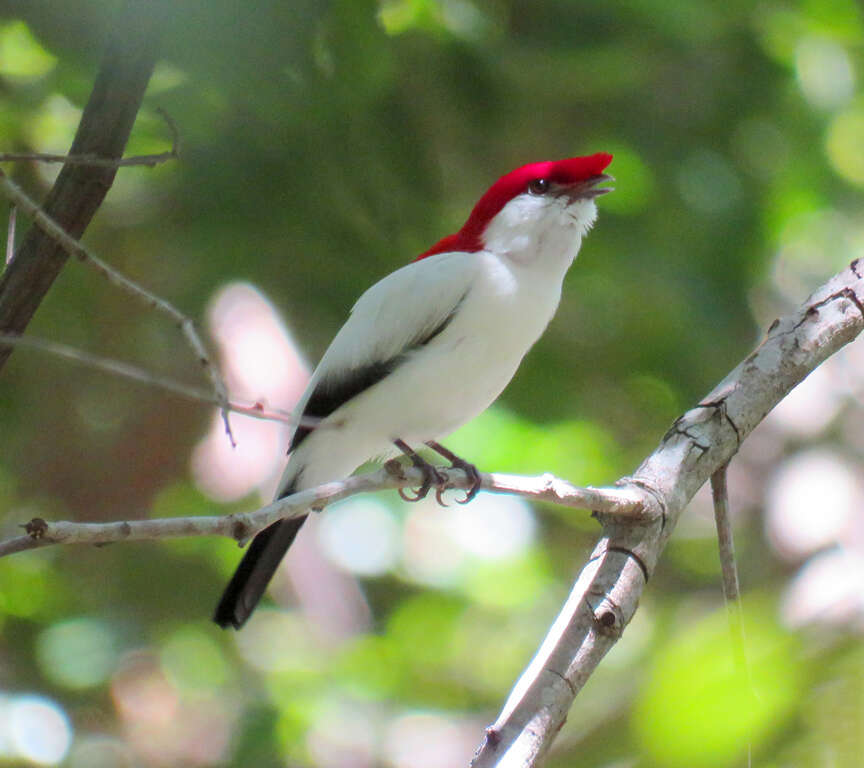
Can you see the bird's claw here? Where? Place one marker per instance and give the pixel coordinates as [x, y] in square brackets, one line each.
[469, 469]
[473, 476]
[431, 476]
[419, 494]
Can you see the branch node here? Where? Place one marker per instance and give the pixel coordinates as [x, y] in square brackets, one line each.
[239, 530]
[631, 554]
[393, 468]
[652, 511]
[812, 312]
[175, 133]
[493, 736]
[36, 528]
[853, 297]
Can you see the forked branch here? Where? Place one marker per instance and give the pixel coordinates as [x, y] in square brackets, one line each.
[104, 129]
[76, 249]
[699, 443]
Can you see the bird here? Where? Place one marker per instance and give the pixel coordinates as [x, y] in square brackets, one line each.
[431, 346]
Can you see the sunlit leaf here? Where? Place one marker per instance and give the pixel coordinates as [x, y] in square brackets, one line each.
[21, 56]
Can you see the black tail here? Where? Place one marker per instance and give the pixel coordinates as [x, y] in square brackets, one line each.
[257, 567]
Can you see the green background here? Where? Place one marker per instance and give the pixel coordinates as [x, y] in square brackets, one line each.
[323, 145]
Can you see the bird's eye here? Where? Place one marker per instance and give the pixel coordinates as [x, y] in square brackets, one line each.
[538, 186]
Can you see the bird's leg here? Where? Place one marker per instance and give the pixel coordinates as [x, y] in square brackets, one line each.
[458, 463]
[431, 476]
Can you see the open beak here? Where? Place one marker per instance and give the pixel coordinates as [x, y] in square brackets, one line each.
[589, 188]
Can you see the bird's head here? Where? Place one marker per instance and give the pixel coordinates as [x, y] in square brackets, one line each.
[527, 206]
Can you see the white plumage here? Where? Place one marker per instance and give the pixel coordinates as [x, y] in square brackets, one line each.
[503, 299]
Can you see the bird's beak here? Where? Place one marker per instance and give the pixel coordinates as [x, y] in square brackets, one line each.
[589, 189]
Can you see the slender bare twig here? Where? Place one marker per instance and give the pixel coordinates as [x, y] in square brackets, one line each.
[99, 162]
[728, 567]
[40, 533]
[256, 410]
[149, 161]
[75, 249]
[10, 233]
[731, 585]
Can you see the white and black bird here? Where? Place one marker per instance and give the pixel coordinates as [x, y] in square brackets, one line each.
[432, 345]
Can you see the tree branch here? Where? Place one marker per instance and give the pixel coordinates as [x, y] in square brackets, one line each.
[79, 190]
[241, 527]
[606, 594]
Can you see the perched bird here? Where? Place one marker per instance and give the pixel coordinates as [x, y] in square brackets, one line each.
[432, 345]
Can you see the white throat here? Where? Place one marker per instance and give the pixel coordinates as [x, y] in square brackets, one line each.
[543, 230]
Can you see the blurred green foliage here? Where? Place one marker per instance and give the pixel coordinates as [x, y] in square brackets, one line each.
[323, 145]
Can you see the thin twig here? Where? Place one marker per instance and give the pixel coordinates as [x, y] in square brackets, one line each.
[10, 234]
[74, 248]
[100, 162]
[731, 584]
[104, 162]
[729, 570]
[728, 567]
[241, 527]
[118, 368]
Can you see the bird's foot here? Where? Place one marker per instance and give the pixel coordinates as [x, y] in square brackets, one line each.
[458, 463]
[431, 476]
[473, 475]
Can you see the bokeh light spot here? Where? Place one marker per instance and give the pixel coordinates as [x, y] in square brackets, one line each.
[39, 730]
[824, 72]
[428, 740]
[261, 364]
[361, 535]
[828, 589]
[495, 527]
[845, 145]
[811, 502]
[193, 662]
[278, 641]
[54, 125]
[78, 653]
